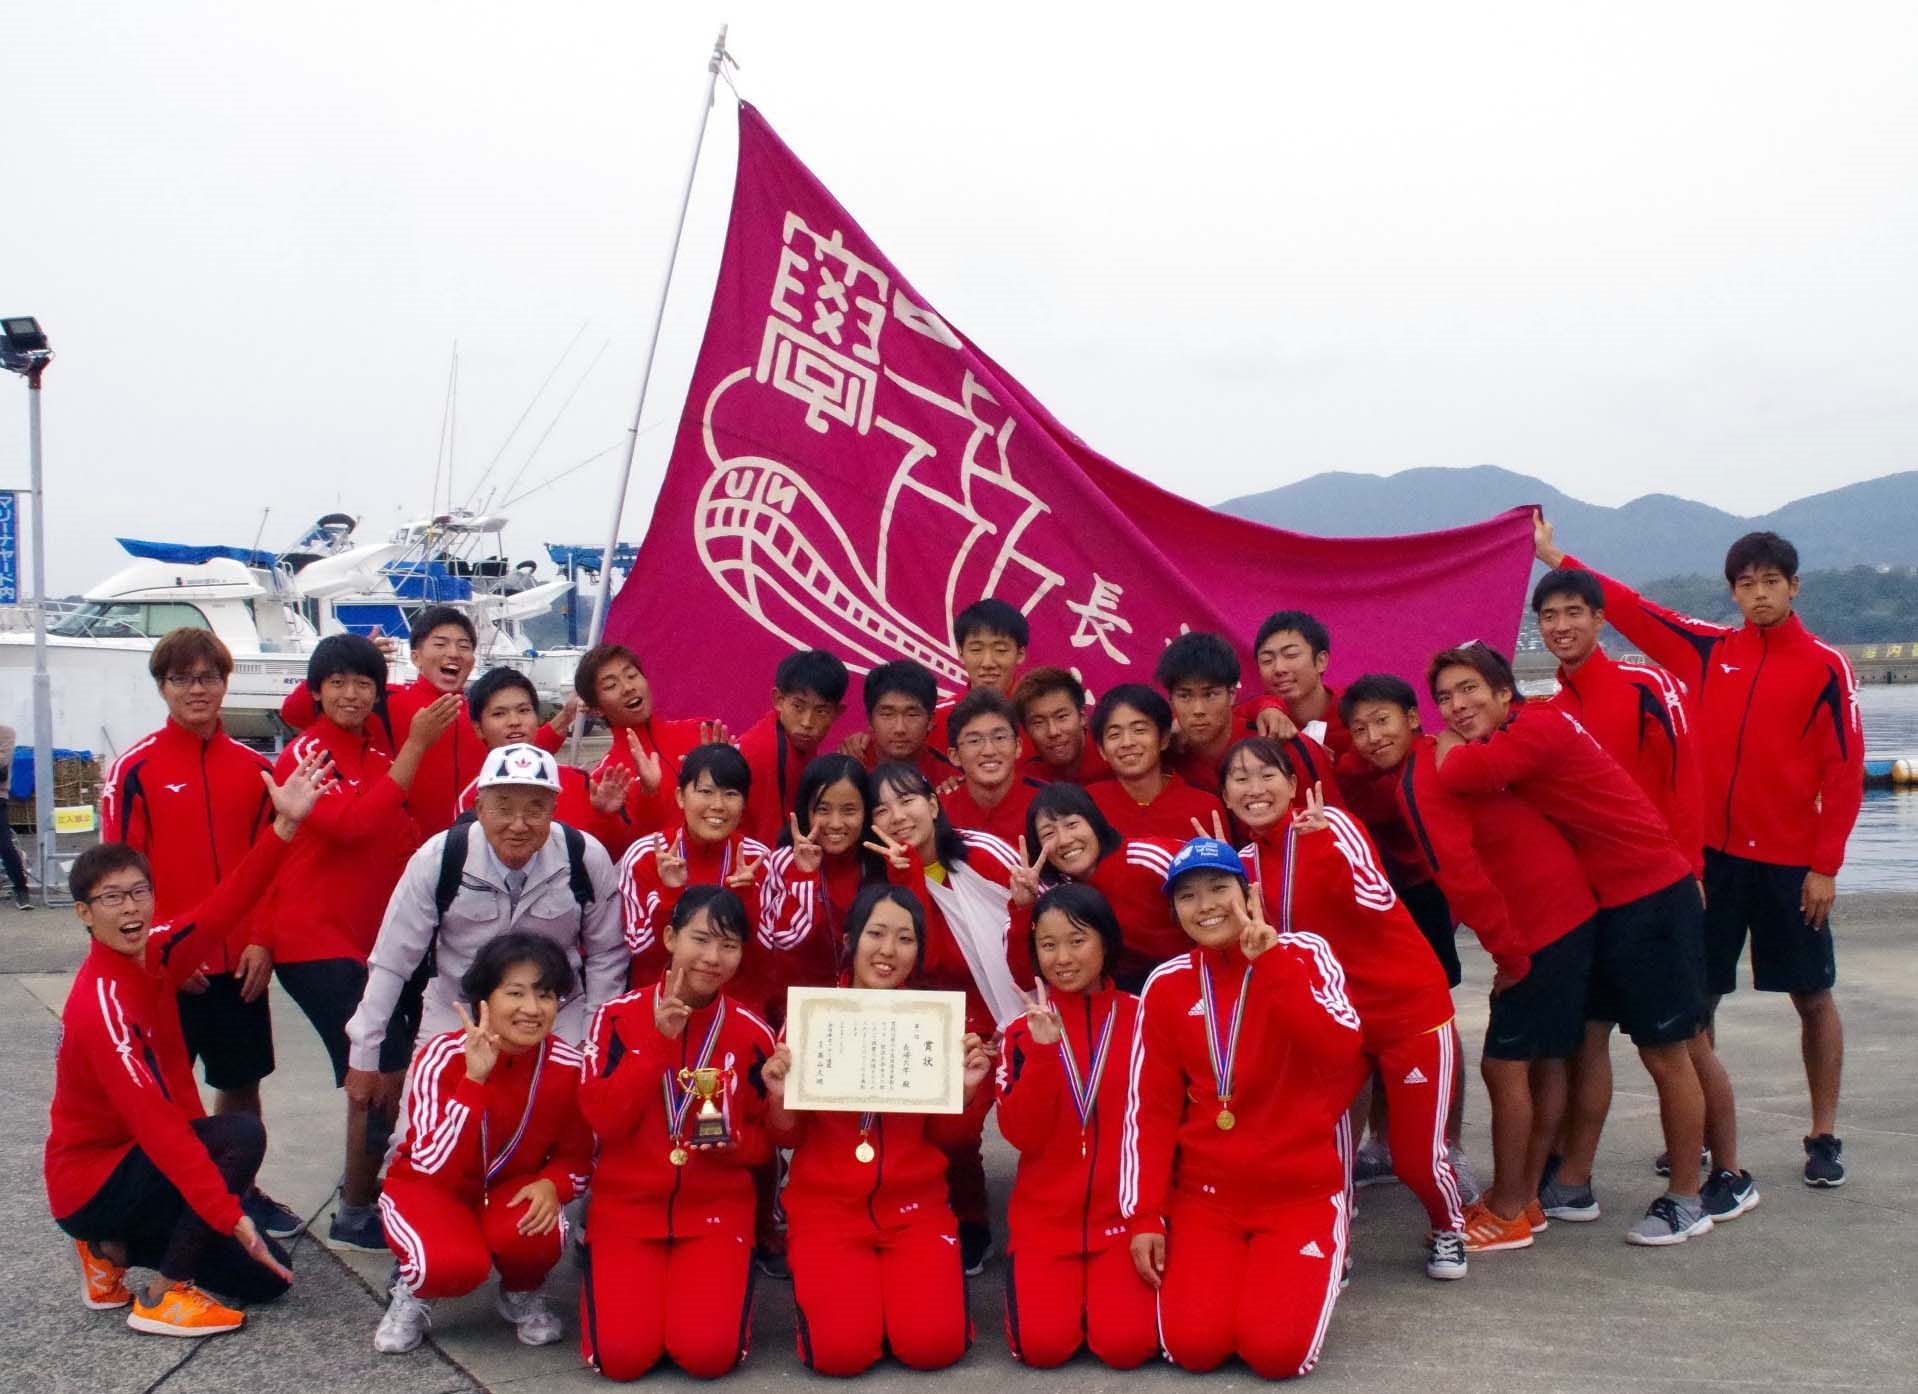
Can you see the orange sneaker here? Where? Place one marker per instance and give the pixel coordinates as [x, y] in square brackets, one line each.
[183, 1310]
[103, 1285]
[1487, 1233]
[1535, 1217]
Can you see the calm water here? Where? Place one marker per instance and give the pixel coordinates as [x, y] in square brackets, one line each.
[1883, 854]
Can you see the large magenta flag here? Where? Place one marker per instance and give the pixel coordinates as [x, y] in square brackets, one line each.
[850, 473]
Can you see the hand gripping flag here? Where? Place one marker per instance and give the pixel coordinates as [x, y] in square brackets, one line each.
[850, 473]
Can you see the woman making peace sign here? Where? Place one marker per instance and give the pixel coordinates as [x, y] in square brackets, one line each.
[495, 1146]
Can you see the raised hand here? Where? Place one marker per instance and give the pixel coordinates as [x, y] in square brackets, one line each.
[1257, 936]
[482, 1046]
[670, 1012]
[1311, 818]
[607, 794]
[1273, 723]
[714, 733]
[898, 856]
[807, 854]
[568, 713]
[742, 876]
[1023, 881]
[1543, 546]
[647, 767]
[293, 798]
[671, 864]
[542, 1206]
[978, 1063]
[432, 722]
[1216, 831]
[1042, 1018]
[773, 1073]
[858, 745]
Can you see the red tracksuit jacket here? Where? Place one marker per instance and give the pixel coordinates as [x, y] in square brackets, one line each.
[1132, 879]
[942, 965]
[637, 1191]
[776, 768]
[828, 1188]
[672, 742]
[1342, 894]
[614, 831]
[1505, 870]
[1005, 820]
[122, 1078]
[450, 764]
[1065, 1198]
[802, 916]
[331, 894]
[522, 1123]
[1552, 762]
[1371, 794]
[193, 807]
[1092, 767]
[1300, 1061]
[1637, 713]
[1337, 741]
[1782, 743]
[647, 903]
[1169, 815]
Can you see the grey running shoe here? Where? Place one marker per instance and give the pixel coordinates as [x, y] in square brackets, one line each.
[1822, 1167]
[1670, 1220]
[1468, 1187]
[1372, 1164]
[1445, 1255]
[1662, 1164]
[1728, 1195]
[1560, 1200]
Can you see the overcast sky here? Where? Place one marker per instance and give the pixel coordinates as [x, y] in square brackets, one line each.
[1624, 248]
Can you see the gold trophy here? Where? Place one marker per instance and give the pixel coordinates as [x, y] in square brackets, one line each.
[709, 1123]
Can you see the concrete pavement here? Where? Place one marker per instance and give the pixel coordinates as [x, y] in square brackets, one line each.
[1810, 1290]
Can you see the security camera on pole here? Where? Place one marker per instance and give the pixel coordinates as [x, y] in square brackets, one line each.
[23, 350]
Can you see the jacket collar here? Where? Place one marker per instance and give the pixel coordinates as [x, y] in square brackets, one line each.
[1597, 664]
[172, 733]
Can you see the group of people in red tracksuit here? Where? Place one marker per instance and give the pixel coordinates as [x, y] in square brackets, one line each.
[1205, 942]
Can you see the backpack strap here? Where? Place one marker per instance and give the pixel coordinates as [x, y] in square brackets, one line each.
[578, 880]
[452, 866]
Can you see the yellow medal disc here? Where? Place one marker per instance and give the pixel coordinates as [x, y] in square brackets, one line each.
[864, 1151]
[1226, 1120]
[679, 1154]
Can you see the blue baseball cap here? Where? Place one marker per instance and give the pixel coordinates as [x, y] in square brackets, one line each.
[1204, 854]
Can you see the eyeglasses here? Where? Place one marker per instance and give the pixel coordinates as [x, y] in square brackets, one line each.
[981, 740]
[186, 681]
[113, 899]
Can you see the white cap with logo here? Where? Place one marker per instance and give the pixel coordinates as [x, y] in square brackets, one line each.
[519, 764]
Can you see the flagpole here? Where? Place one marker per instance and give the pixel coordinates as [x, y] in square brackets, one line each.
[598, 625]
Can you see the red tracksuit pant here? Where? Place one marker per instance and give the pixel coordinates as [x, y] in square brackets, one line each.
[1265, 1295]
[1056, 1303]
[447, 1247]
[1417, 1073]
[856, 1293]
[690, 1299]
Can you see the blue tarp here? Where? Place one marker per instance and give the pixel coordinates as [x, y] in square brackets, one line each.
[588, 558]
[185, 554]
[364, 619]
[20, 778]
[429, 581]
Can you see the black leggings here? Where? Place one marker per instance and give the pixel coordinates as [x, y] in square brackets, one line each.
[141, 1209]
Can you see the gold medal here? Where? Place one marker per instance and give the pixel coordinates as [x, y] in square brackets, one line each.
[864, 1151]
[1226, 1120]
[679, 1154]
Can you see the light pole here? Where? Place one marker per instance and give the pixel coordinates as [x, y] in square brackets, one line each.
[23, 350]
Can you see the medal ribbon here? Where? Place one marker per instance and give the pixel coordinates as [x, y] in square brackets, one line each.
[1084, 1092]
[492, 1169]
[678, 1100]
[1222, 1056]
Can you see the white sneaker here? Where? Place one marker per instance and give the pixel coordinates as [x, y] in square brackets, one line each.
[531, 1317]
[404, 1325]
[1445, 1255]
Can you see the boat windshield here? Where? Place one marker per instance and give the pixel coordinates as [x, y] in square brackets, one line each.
[97, 619]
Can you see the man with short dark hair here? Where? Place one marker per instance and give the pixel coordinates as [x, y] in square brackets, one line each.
[900, 698]
[1052, 709]
[1292, 649]
[1133, 726]
[990, 636]
[809, 697]
[1782, 759]
[612, 686]
[992, 795]
[1201, 675]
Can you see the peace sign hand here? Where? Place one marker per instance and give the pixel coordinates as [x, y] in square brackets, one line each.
[670, 862]
[1257, 936]
[482, 1046]
[1023, 880]
[1311, 818]
[1216, 831]
[978, 1063]
[670, 1011]
[807, 854]
[1042, 1018]
[741, 877]
[645, 766]
[714, 733]
[898, 856]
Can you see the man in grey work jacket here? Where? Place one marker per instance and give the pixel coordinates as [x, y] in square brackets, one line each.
[518, 873]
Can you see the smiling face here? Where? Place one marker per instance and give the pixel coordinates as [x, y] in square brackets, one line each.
[1287, 666]
[508, 718]
[1471, 706]
[838, 818]
[887, 948]
[193, 694]
[1057, 727]
[1075, 845]
[909, 817]
[900, 725]
[347, 699]
[1383, 732]
[1203, 710]
[444, 656]
[1764, 595]
[986, 750]
[1071, 957]
[712, 813]
[1211, 907]
[705, 958]
[1132, 743]
[117, 909]
[991, 660]
[1258, 794]
[519, 1010]
[517, 819]
[806, 718]
[1569, 628]
[621, 693]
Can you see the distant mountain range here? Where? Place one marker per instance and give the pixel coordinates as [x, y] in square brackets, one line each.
[1873, 523]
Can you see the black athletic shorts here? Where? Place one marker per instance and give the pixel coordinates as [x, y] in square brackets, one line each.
[232, 1039]
[328, 990]
[1542, 1015]
[1434, 919]
[1648, 966]
[1788, 955]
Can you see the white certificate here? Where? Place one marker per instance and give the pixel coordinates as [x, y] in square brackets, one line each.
[864, 1050]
